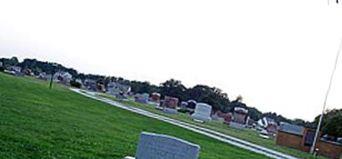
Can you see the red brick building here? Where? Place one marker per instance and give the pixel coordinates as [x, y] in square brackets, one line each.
[301, 138]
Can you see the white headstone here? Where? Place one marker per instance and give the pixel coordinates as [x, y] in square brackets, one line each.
[202, 112]
[157, 146]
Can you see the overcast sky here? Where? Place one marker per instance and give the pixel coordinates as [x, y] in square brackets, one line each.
[277, 54]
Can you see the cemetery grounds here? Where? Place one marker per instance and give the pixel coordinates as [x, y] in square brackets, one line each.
[245, 134]
[37, 122]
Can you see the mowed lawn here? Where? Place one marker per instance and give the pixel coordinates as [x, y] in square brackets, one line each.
[36, 122]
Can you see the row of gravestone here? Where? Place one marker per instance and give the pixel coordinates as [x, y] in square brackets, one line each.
[202, 111]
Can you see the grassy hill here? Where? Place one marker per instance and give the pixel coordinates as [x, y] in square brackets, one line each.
[36, 122]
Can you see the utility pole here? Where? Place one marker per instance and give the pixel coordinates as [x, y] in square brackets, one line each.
[313, 147]
[51, 80]
[52, 74]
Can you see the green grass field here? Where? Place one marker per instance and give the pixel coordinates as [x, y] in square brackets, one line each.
[36, 122]
[247, 134]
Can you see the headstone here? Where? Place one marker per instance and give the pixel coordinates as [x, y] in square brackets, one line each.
[155, 97]
[157, 146]
[219, 116]
[170, 102]
[192, 104]
[240, 115]
[170, 105]
[159, 106]
[184, 105]
[228, 118]
[251, 123]
[141, 98]
[202, 112]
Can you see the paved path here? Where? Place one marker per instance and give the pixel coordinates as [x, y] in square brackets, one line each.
[204, 131]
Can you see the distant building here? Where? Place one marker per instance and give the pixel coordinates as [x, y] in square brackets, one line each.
[14, 70]
[62, 77]
[90, 85]
[28, 72]
[268, 124]
[117, 89]
[44, 76]
[302, 138]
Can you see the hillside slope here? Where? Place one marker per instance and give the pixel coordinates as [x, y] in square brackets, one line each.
[36, 122]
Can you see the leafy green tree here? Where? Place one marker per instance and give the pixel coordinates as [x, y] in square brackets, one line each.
[74, 83]
[9, 62]
[142, 87]
[254, 113]
[173, 88]
[331, 123]
[211, 95]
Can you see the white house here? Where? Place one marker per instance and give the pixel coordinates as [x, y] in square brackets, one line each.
[90, 84]
[44, 76]
[62, 77]
[268, 124]
[115, 88]
[16, 69]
